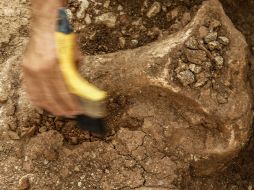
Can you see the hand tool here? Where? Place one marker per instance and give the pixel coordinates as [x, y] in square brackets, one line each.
[92, 98]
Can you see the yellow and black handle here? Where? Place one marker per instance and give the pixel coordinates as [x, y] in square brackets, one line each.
[92, 98]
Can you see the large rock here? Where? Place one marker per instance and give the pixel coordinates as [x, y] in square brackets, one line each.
[208, 125]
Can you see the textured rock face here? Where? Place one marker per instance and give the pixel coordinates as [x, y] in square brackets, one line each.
[206, 117]
[178, 102]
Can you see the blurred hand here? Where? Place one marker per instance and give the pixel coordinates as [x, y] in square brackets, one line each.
[43, 80]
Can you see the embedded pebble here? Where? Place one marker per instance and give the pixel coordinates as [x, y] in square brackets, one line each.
[69, 14]
[173, 14]
[134, 42]
[195, 68]
[154, 9]
[120, 8]
[43, 129]
[186, 18]
[219, 61]
[214, 45]
[74, 140]
[211, 37]
[106, 4]
[223, 40]
[29, 132]
[207, 64]
[214, 25]
[192, 43]
[3, 95]
[222, 98]
[79, 184]
[24, 183]
[186, 77]
[108, 19]
[77, 169]
[83, 6]
[196, 56]
[122, 42]
[202, 79]
[203, 31]
[88, 19]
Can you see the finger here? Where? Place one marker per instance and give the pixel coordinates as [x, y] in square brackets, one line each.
[58, 91]
[30, 84]
[51, 101]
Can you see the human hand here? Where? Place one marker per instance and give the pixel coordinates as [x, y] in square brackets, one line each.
[43, 80]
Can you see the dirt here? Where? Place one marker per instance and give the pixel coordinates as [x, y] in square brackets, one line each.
[112, 25]
[40, 151]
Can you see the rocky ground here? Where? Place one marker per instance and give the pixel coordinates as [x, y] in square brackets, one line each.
[144, 149]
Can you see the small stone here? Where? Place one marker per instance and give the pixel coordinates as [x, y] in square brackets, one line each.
[154, 9]
[3, 95]
[134, 42]
[80, 184]
[122, 42]
[181, 66]
[207, 64]
[28, 132]
[211, 37]
[186, 77]
[119, 8]
[12, 125]
[45, 162]
[74, 140]
[219, 61]
[214, 25]
[43, 129]
[249, 187]
[164, 8]
[223, 40]
[69, 14]
[108, 19]
[174, 13]
[201, 80]
[192, 43]
[83, 6]
[13, 135]
[88, 19]
[76, 169]
[24, 183]
[186, 18]
[195, 68]
[203, 31]
[106, 4]
[222, 98]
[196, 56]
[214, 45]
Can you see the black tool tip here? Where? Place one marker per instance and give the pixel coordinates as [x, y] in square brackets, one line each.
[63, 22]
[94, 125]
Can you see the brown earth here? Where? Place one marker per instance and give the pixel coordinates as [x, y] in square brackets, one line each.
[44, 152]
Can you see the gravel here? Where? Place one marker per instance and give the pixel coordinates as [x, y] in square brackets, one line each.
[154, 9]
[212, 36]
[223, 40]
[186, 77]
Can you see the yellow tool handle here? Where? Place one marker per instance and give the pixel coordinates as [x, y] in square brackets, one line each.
[77, 85]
